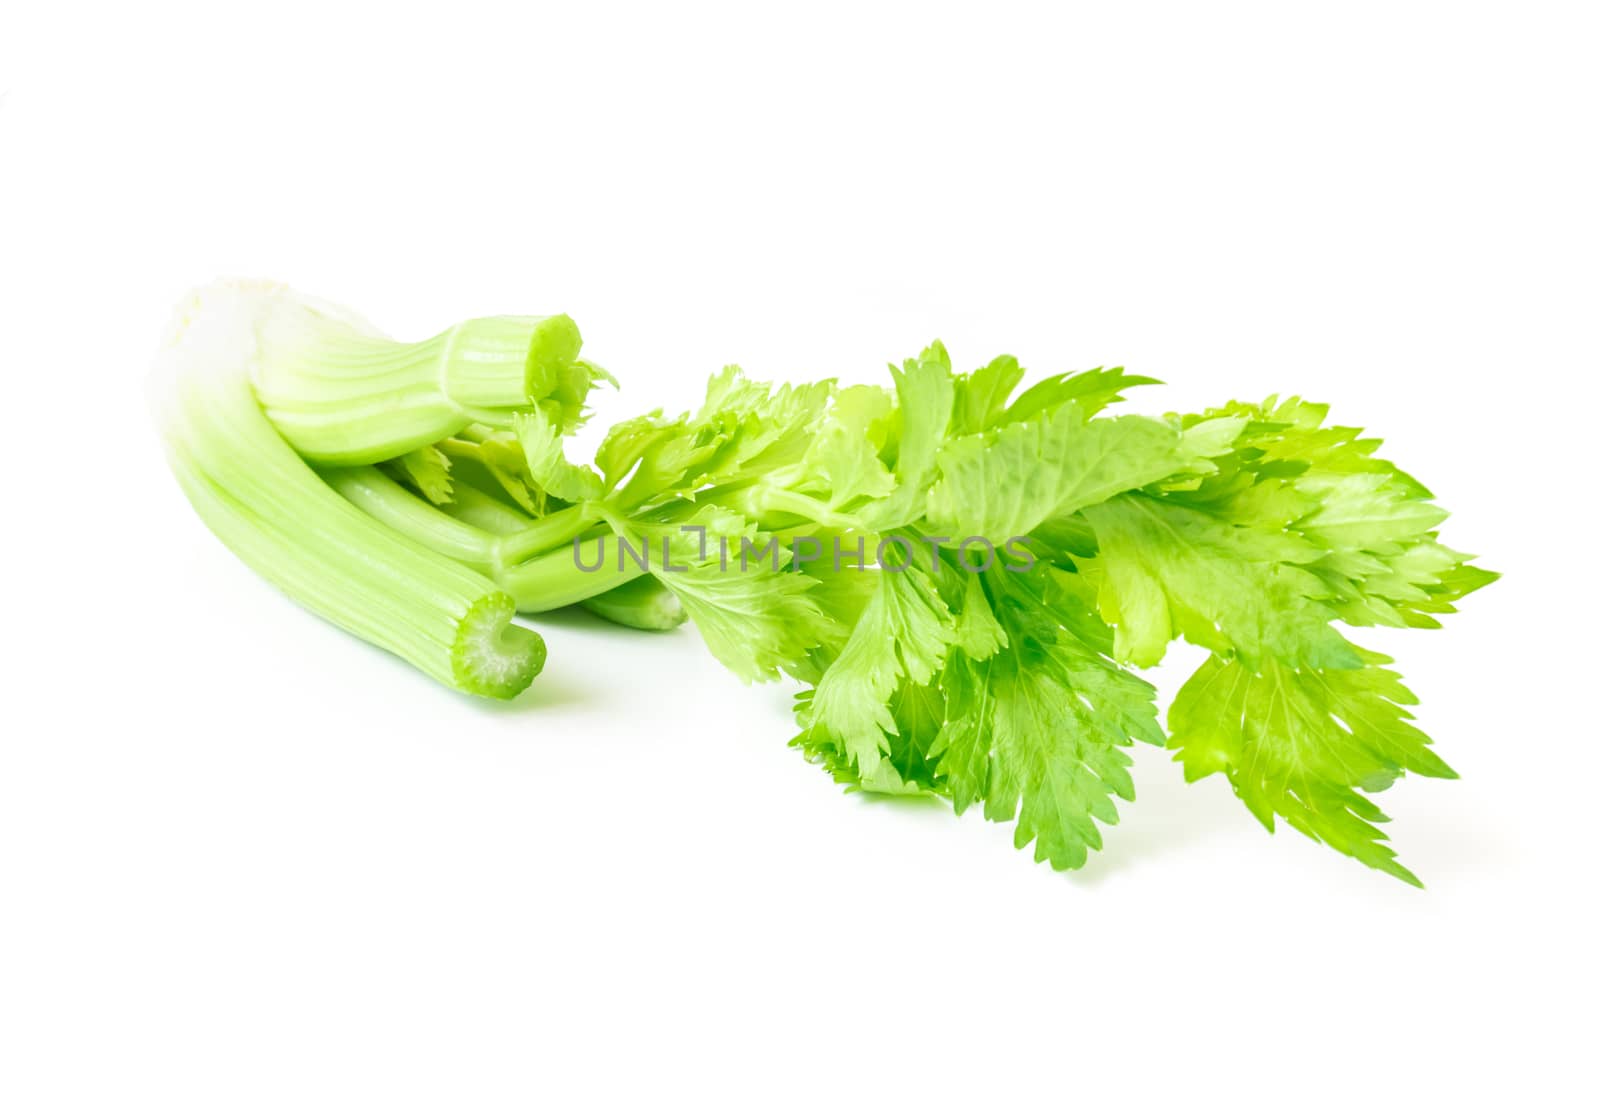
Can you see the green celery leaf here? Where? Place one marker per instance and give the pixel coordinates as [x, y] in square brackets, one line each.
[918, 714]
[926, 395]
[1091, 390]
[428, 469]
[757, 620]
[547, 464]
[1006, 484]
[1165, 570]
[902, 635]
[849, 463]
[1036, 730]
[981, 396]
[497, 456]
[1382, 562]
[1298, 744]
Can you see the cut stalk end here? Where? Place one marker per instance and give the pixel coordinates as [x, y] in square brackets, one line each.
[493, 656]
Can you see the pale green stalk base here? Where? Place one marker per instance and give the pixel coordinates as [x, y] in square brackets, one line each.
[341, 393]
[537, 563]
[276, 514]
[641, 603]
[555, 579]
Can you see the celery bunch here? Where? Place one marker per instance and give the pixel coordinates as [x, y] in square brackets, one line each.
[961, 575]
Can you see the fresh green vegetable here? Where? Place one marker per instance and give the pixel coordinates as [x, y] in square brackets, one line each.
[961, 577]
[265, 504]
[643, 603]
[341, 393]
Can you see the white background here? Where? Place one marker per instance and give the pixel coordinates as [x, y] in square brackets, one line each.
[242, 854]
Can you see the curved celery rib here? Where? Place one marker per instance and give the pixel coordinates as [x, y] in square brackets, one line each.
[575, 572]
[476, 508]
[381, 498]
[343, 394]
[278, 516]
[555, 580]
[643, 603]
[545, 563]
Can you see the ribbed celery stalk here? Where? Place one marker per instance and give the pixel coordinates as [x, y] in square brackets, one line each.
[572, 573]
[342, 393]
[538, 564]
[643, 603]
[277, 515]
[482, 510]
[417, 520]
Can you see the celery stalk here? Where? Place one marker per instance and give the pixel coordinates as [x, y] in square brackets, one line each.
[277, 515]
[642, 603]
[341, 393]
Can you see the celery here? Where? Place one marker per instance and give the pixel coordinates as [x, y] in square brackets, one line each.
[642, 603]
[419, 494]
[341, 393]
[276, 514]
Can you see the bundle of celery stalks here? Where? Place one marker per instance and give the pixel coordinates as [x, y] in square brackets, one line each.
[958, 574]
